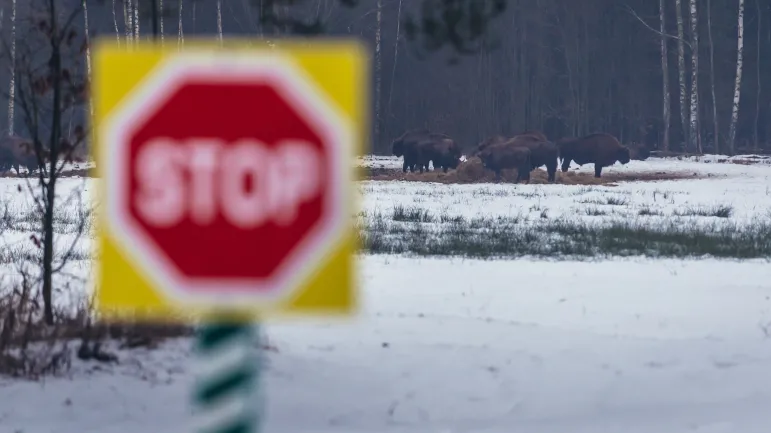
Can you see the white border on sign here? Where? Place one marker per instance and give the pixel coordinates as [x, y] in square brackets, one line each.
[310, 102]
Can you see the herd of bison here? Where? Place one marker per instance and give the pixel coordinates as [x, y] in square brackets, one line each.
[524, 152]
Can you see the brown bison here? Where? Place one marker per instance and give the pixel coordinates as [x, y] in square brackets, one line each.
[600, 149]
[533, 135]
[16, 152]
[412, 145]
[443, 152]
[639, 152]
[541, 153]
[497, 139]
[500, 156]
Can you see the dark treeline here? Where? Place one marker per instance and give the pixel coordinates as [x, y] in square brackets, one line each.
[563, 67]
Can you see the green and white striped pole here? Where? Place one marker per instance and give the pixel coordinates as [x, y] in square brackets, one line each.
[225, 395]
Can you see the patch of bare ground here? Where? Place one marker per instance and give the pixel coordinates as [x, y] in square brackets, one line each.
[472, 171]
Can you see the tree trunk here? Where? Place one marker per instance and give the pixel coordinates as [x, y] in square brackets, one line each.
[715, 122]
[665, 75]
[88, 56]
[219, 20]
[160, 18]
[755, 138]
[12, 87]
[681, 72]
[396, 58]
[115, 22]
[50, 186]
[136, 21]
[694, 135]
[128, 21]
[738, 81]
[181, 36]
[378, 70]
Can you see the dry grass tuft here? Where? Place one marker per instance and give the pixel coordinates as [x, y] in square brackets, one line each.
[472, 171]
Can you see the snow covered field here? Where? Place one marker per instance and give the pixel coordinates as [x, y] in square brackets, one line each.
[475, 346]
[464, 345]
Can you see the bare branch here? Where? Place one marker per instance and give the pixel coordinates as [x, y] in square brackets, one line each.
[658, 32]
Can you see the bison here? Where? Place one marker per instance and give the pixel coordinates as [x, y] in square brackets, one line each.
[541, 153]
[600, 149]
[419, 147]
[497, 139]
[16, 152]
[500, 156]
[639, 152]
[533, 135]
[443, 152]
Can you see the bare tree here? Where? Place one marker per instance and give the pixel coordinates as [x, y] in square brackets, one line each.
[12, 88]
[115, 22]
[715, 120]
[219, 20]
[181, 36]
[50, 90]
[135, 21]
[160, 19]
[378, 68]
[694, 135]
[759, 89]
[681, 71]
[128, 22]
[665, 73]
[396, 57]
[738, 80]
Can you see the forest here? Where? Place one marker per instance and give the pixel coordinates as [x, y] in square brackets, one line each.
[675, 75]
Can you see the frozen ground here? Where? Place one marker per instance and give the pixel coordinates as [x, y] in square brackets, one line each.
[475, 346]
[744, 188]
[454, 345]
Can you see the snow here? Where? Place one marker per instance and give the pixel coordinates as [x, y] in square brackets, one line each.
[746, 189]
[474, 346]
[458, 345]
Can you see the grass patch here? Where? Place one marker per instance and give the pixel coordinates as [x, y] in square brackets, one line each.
[507, 236]
[616, 201]
[412, 213]
[646, 211]
[594, 211]
[719, 211]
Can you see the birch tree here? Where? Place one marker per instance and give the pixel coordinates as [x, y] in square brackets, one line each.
[759, 89]
[128, 19]
[219, 20]
[12, 86]
[694, 135]
[738, 80]
[715, 122]
[160, 18]
[136, 21]
[396, 57]
[681, 71]
[87, 42]
[664, 73]
[378, 67]
[180, 36]
[115, 22]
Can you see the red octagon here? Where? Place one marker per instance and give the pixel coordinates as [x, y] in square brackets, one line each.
[196, 259]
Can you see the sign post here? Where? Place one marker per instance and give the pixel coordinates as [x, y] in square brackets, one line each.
[227, 187]
[225, 395]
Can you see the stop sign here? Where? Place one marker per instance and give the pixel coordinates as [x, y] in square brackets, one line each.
[227, 178]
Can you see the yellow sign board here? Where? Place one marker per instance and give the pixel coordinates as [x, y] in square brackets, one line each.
[227, 177]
